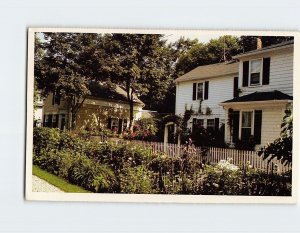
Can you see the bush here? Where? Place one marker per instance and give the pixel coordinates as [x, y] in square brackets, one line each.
[45, 139]
[144, 129]
[207, 137]
[92, 176]
[248, 144]
[230, 180]
[107, 167]
[136, 180]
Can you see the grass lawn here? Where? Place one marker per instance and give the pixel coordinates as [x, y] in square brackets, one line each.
[57, 181]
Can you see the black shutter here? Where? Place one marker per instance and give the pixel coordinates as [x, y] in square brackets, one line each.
[217, 123]
[245, 73]
[44, 121]
[109, 123]
[206, 90]
[194, 124]
[58, 99]
[257, 126]
[57, 118]
[194, 90]
[49, 121]
[120, 128]
[235, 125]
[236, 87]
[53, 98]
[266, 71]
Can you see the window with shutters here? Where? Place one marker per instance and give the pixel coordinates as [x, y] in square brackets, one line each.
[199, 122]
[114, 124]
[246, 125]
[210, 124]
[255, 74]
[56, 98]
[200, 91]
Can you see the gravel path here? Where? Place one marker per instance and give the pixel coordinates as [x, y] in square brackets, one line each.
[39, 185]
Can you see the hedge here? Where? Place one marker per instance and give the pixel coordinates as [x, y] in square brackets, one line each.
[110, 168]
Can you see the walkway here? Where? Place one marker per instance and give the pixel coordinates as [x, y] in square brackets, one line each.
[39, 185]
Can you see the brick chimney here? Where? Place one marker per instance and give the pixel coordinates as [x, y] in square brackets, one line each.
[259, 43]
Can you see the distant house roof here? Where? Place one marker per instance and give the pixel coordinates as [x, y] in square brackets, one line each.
[209, 71]
[111, 92]
[285, 44]
[260, 96]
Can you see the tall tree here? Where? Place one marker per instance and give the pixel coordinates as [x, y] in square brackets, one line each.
[215, 51]
[140, 70]
[249, 43]
[70, 62]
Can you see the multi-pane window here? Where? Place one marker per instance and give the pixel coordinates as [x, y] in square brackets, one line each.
[246, 126]
[210, 124]
[56, 98]
[200, 91]
[255, 72]
[200, 122]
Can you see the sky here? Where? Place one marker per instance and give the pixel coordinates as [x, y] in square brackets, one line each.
[174, 37]
[201, 38]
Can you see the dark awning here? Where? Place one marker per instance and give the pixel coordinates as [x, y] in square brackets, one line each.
[261, 96]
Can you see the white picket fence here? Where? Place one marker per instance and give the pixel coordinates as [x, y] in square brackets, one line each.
[213, 155]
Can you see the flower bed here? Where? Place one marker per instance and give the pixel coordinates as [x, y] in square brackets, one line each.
[110, 168]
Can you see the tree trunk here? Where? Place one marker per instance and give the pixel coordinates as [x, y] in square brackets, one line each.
[73, 120]
[131, 115]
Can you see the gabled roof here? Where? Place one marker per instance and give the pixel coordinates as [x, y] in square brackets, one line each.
[111, 92]
[260, 96]
[282, 45]
[210, 71]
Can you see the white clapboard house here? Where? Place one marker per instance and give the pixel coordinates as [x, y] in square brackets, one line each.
[203, 89]
[253, 93]
[265, 87]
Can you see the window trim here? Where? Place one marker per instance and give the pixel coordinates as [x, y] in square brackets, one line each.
[213, 123]
[252, 121]
[260, 74]
[203, 86]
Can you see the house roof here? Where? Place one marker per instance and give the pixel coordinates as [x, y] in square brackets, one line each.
[260, 96]
[209, 71]
[111, 92]
[282, 45]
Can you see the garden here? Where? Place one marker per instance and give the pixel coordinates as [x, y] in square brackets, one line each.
[107, 167]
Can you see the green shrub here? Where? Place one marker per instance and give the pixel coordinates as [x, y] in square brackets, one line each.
[136, 180]
[45, 139]
[128, 168]
[144, 129]
[47, 160]
[91, 175]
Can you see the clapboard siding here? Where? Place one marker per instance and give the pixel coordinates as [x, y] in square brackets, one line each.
[220, 89]
[271, 122]
[281, 74]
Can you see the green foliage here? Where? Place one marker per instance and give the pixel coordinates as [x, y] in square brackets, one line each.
[46, 139]
[91, 175]
[281, 148]
[208, 137]
[137, 180]
[215, 51]
[126, 168]
[248, 144]
[144, 129]
[250, 182]
[249, 43]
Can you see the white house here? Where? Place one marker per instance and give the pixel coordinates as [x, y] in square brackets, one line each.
[265, 93]
[202, 89]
